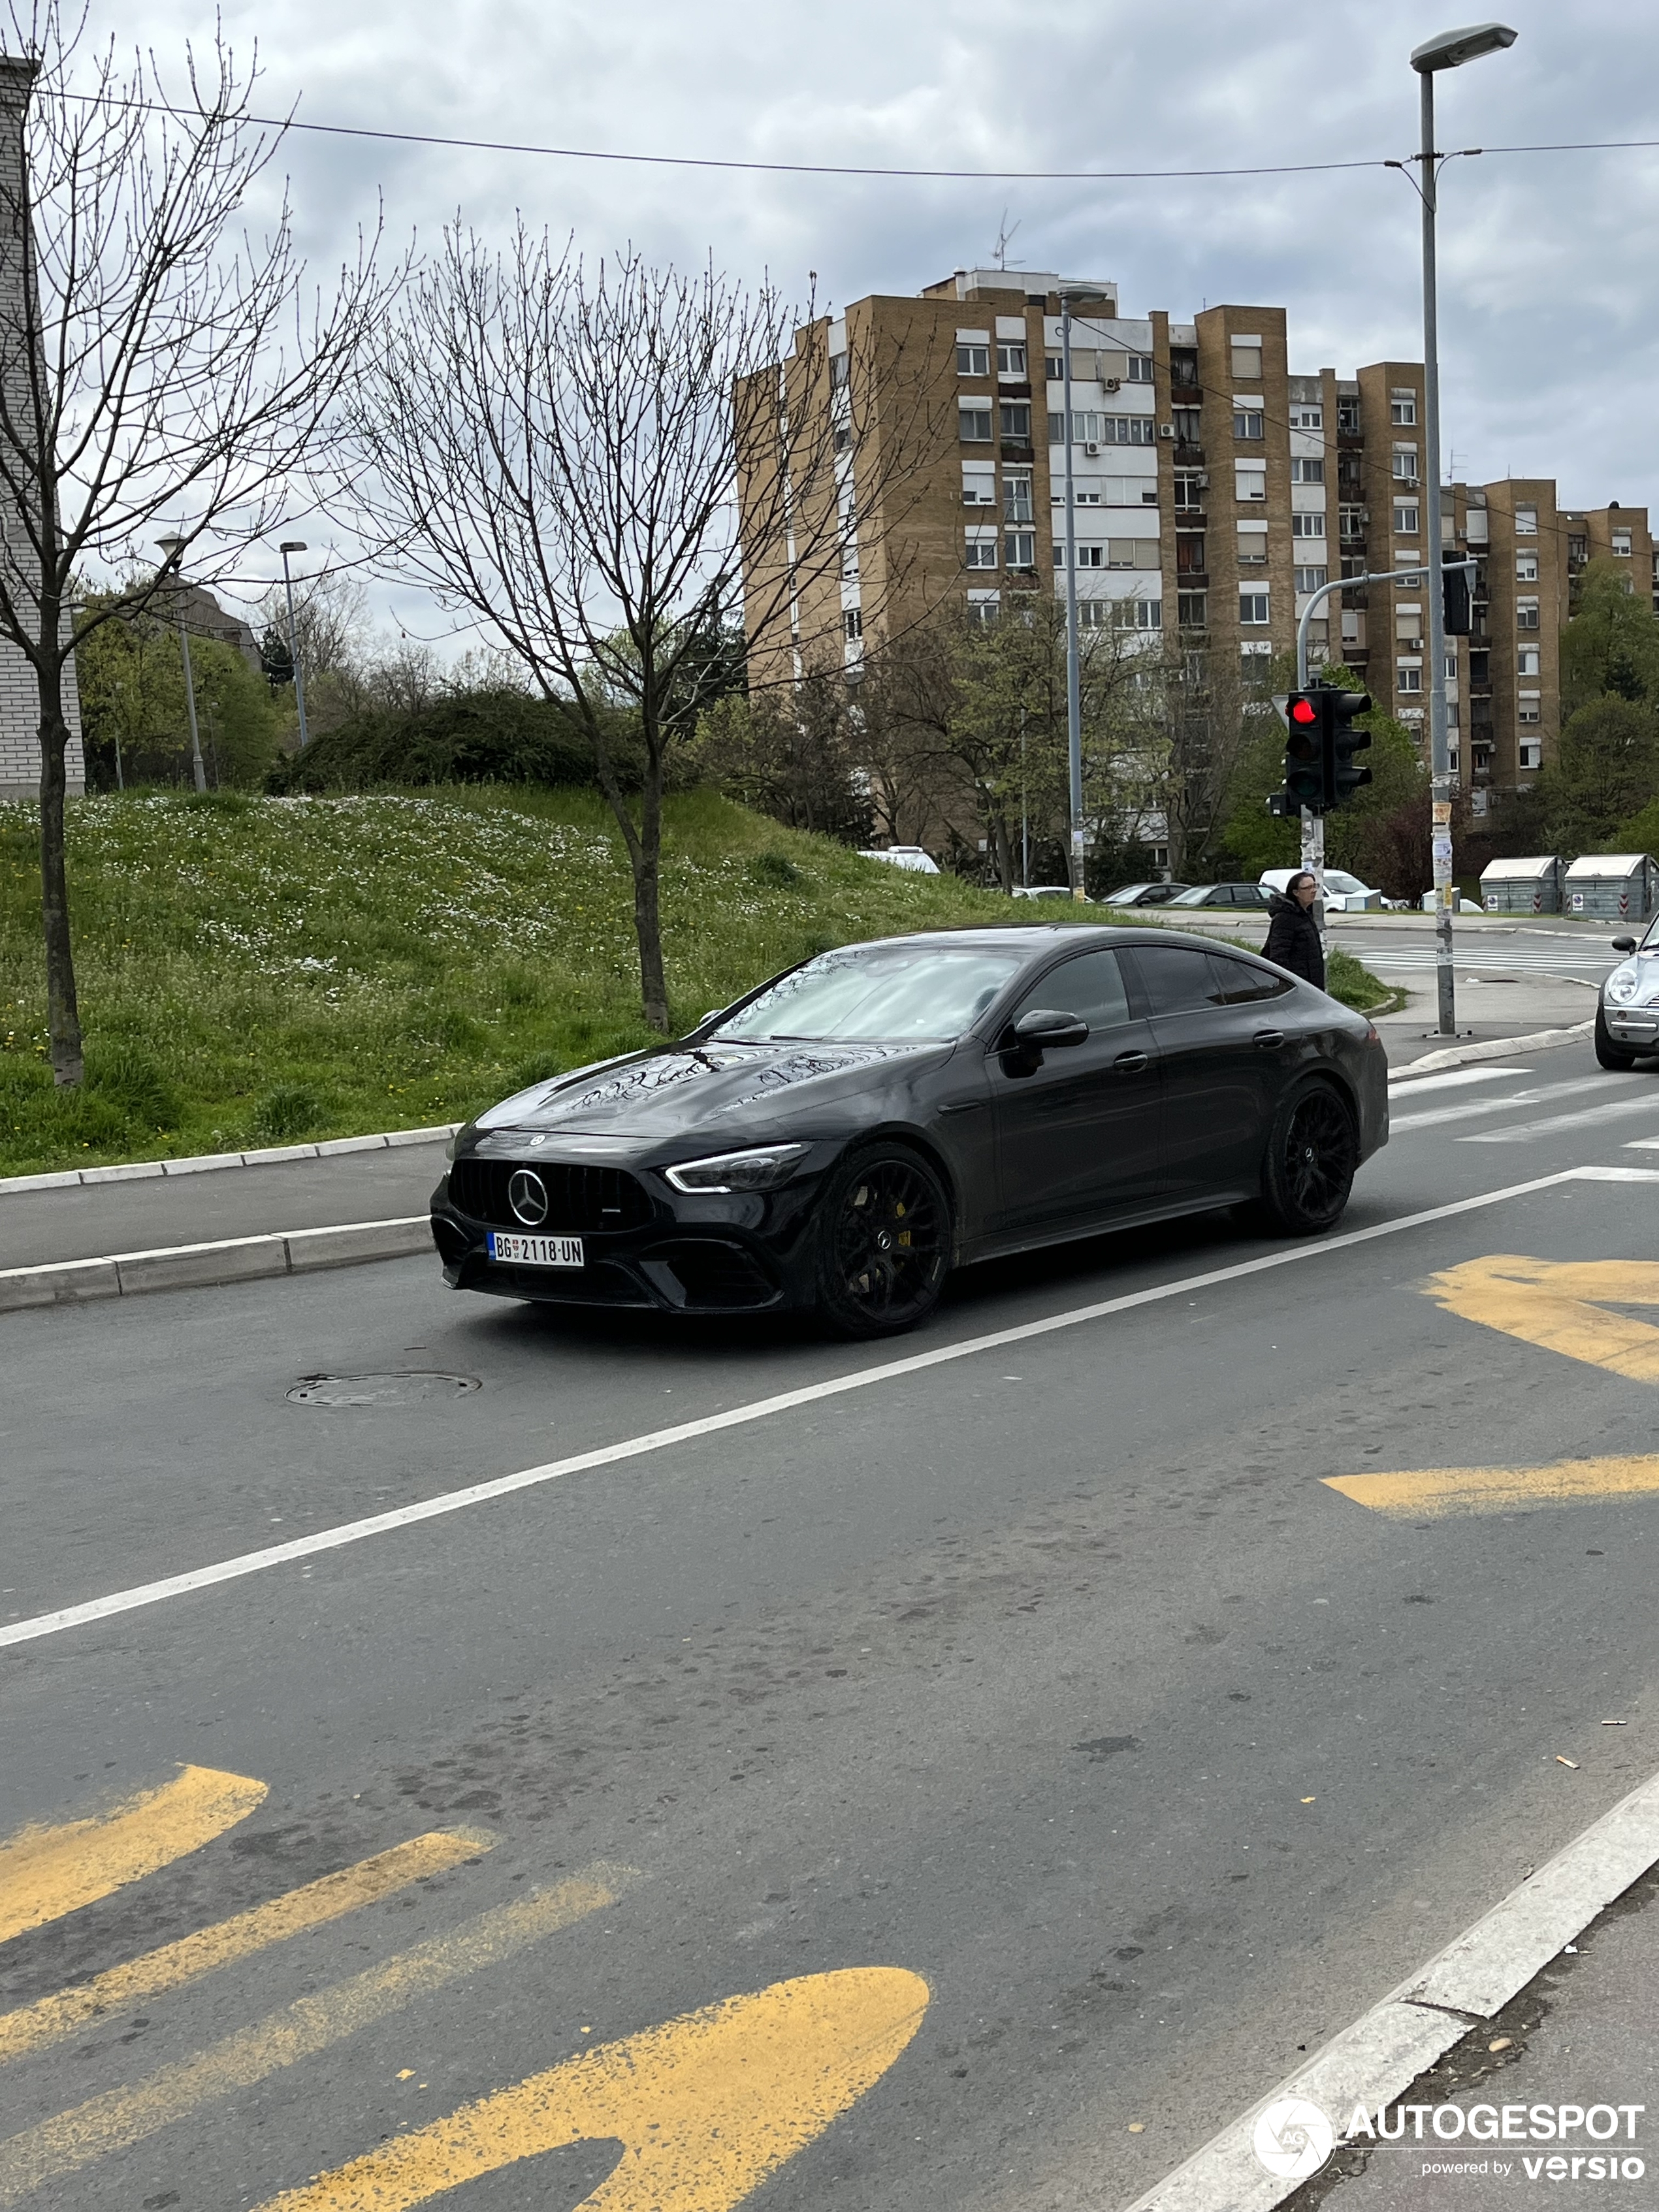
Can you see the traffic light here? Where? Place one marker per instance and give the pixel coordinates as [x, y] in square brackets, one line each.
[1304, 776]
[1319, 749]
[1456, 590]
[1340, 741]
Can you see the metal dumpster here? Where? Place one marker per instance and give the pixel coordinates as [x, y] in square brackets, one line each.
[1613, 886]
[1529, 886]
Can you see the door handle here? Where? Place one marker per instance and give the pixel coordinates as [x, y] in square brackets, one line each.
[962, 1105]
[1270, 1040]
[1129, 1063]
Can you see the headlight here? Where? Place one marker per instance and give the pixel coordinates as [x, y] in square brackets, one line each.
[1622, 987]
[762, 1169]
[453, 1146]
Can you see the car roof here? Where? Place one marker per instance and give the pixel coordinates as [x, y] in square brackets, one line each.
[1034, 938]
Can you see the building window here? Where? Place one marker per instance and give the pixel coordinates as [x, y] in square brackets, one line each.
[1011, 360]
[1189, 553]
[1019, 548]
[1247, 422]
[1351, 521]
[1246, 361]
[1252, 546]
[1526, 522]
[852, 622]
[842, 440]
[972, 360]
[1531, 756]
[1183, 367]
[1085, 492]
[1405, 464]
[1091, 556]
[1015, 415]
[1188, 423]
[1131, 553]
[982, 553]
[840, 371]
[1192, 610]
[1405, 518]
[1054, 367]
[1137, 614]
[1526, 614]
[1306, 468]
[1016, 495]
[979, 485]
[1253, 607]
[1409, 678]
[1527, 659]
[1138, 369]
[1188, 491]
[1251, 479]
[1621, 544]
[1529, 710]
[1307, 418]
[1089, 427]
[1311, 580]
[1348, 417]
[974, 422]
[1526, 567]
[1402, 409]
[1307, 526]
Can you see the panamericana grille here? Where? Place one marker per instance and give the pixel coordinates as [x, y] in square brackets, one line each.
[580, 1199]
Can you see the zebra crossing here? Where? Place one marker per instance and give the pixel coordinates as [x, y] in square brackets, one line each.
[1504, 957]
[1602, 1101]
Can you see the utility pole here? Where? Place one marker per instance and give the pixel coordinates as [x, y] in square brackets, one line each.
[171, 548]
[295, 545]
[1450, 51]
[1073, 678]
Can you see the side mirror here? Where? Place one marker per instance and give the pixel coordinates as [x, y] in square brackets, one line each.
[1044, 1030]
[1624, 945]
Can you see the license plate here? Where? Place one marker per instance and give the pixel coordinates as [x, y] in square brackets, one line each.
[536, 1251]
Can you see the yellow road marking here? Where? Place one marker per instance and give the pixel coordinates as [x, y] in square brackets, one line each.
[1558, 1305]
[124, 2116]
[706, 2106]
[49, 2019]
[47, 1872]
[1431, 1493]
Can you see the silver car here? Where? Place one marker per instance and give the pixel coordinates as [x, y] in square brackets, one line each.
[1627, 1013]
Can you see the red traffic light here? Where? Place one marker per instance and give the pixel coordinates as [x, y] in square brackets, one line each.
[1304, 710]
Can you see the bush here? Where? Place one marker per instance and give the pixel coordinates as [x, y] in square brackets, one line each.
[494, 735]
[286, 1113]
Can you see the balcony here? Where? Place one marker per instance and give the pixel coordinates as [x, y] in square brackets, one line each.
[1017, 449]
[1188, 454]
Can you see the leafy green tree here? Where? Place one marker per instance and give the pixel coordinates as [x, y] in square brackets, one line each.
[134, 715]
[1610, 648]
[1605, 772]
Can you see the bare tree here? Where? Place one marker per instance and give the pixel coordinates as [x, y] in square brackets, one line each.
[159, 369]
[561, 450]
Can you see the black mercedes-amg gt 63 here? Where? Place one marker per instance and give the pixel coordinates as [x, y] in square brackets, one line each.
[843, 1137]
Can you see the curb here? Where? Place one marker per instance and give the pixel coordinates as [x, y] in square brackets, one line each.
[1491, 1049]
[204, 1163]
[193, 1266]
[1377, 2059]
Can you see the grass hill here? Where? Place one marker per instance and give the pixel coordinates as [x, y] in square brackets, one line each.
[258, 971]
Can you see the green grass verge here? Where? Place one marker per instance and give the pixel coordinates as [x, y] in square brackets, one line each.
[260, 971]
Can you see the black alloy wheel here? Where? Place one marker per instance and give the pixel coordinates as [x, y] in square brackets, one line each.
[1312, 1157]
[884, 1242]
[1609, 1054]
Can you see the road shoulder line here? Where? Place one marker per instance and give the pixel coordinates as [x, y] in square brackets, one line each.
[455, 1501]
[1381, 2054]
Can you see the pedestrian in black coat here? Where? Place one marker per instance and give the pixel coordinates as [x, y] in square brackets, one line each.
[1292, 933]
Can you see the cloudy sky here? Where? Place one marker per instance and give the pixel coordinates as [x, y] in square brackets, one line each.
[1550, 310]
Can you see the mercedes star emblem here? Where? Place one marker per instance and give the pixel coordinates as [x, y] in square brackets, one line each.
[526, 1194]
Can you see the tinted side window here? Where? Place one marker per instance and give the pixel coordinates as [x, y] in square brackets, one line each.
[1174, 979]
[1238, 983]
[1090, 986]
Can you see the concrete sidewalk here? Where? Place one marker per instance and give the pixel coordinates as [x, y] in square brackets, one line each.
[37, 1227]
[1586, 2032]
[1486, 1013]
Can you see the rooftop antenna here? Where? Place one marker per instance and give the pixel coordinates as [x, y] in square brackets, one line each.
[1004, 240]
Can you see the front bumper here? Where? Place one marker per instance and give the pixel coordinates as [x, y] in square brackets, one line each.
[1636, 1027]
[713, 1253]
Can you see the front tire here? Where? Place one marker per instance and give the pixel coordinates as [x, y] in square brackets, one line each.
[1609, 1054]
[885, 1237]
[1312, 1157]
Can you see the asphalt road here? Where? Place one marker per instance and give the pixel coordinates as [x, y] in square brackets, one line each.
[1052, 1677]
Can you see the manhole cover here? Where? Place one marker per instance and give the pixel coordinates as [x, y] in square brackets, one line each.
[412, 1387]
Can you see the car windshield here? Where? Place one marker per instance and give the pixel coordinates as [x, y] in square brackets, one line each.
[877, 991]
[1344, 884]
[1196, 896]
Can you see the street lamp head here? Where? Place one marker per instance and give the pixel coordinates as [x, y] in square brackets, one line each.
[170, 547]
[1453, 48]
[292, 545]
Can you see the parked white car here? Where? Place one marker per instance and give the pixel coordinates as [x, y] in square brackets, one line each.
[905, 856]
[1344, 894]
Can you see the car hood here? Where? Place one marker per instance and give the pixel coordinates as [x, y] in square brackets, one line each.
[662, 1093]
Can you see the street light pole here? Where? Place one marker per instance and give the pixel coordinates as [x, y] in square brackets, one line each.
[295, 545]
[1073, 678]
[171, 547]
[1450, 51]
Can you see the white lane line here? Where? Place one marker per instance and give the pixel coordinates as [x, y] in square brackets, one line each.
[1381, 2054]
[1432, 1116]
[1523, 1132]
[1643, 1145]
[1453, 1079]
[760, 1409]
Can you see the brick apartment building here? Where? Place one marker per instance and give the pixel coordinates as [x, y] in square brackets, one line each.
[1214, 490]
